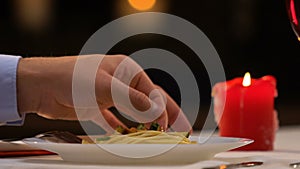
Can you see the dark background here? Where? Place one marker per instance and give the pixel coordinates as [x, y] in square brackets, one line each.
[249, 35]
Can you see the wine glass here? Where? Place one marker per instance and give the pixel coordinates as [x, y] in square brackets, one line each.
[293, 8]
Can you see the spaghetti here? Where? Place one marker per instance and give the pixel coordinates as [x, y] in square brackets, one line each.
[145, 137]
[142, 135]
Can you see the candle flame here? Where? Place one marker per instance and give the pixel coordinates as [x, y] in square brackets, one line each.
[247, 80]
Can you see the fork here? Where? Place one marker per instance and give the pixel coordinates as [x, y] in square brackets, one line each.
[236, 165]
[52, 136]
[295, 165]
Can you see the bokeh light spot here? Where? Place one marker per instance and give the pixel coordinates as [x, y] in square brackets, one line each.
[142, 5]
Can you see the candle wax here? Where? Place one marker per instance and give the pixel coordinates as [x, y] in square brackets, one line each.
[247, 112]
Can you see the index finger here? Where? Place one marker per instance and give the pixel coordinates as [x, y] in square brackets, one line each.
[131, 74]
[176, 117]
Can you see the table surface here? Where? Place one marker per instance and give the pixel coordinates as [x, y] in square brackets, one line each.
[287, 150]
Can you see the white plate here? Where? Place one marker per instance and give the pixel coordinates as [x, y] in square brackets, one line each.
[177, 154]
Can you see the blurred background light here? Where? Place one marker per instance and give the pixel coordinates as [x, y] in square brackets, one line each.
[142, 5]
[33, 15]
[249, 35]
[127, 7]
[123, 8]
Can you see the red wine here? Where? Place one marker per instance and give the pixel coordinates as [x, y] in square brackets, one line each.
[293, 8]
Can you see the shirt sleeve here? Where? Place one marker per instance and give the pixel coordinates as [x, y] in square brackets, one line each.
[8, 91]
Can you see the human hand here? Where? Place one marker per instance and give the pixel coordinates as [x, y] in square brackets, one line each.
[45, 87]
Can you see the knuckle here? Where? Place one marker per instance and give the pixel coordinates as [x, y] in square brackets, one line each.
[122, 57]
[140, 101]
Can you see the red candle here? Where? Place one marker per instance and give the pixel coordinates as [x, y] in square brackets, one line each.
[245, 108]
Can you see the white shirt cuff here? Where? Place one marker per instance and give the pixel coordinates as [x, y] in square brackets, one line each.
[8, 90]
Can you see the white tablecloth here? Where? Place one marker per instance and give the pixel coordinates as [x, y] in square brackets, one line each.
[287, 150]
